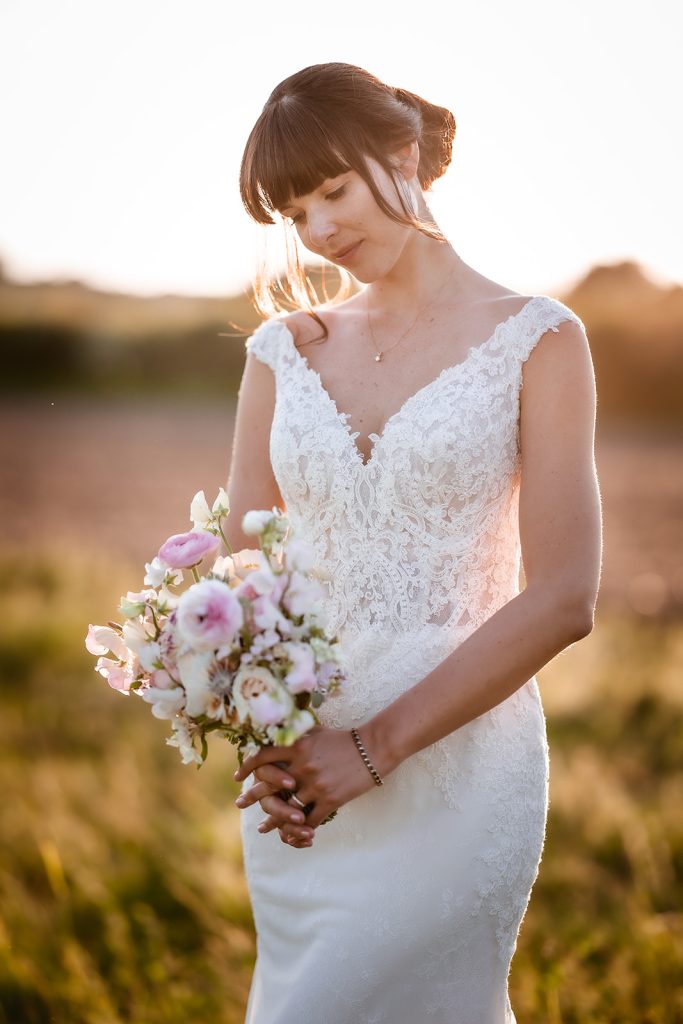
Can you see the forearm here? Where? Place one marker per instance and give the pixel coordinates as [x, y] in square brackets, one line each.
[493, 662]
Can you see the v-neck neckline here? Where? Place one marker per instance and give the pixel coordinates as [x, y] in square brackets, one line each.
[378, 439]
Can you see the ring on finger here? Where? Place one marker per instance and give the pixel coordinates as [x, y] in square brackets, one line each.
[298, 802]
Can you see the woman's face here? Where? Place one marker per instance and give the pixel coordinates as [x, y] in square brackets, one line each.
[341, 222]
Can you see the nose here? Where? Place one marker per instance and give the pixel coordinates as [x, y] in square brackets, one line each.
[321, 226]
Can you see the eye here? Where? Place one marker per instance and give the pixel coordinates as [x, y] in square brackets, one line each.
[337, 194]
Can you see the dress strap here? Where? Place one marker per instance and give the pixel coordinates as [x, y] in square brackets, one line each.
[267, 342]
[545, 314]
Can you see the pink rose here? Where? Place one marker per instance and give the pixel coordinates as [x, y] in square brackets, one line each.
[209, 615]
[183, 550]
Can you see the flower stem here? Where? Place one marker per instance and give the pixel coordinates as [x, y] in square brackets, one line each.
[223, 537]
[193, 570]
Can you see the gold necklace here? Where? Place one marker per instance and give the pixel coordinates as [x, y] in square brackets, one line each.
[380, 352]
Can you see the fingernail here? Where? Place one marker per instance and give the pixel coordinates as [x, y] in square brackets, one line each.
[289, 783]
[297, 816]
[236, 774]
[261, 828]
[240, 801]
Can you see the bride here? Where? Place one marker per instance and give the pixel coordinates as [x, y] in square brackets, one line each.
[427, 435]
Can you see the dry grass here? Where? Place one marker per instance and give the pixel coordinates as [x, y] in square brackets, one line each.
[121, 887]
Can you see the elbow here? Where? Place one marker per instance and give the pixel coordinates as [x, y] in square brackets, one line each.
[578, 612]
[571, 608]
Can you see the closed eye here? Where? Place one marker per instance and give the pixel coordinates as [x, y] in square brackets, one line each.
[337, 193]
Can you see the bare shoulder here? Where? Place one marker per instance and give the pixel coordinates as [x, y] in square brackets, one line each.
[306, 327]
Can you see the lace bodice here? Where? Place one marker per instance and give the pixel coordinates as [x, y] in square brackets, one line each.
[420, 545]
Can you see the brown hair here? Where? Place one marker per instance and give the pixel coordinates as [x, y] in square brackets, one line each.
[317, 124]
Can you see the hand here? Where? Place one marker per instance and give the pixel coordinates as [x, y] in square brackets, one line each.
[328, 771]
[270, 792]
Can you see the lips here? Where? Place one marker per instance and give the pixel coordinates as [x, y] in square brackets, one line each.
[347, 254]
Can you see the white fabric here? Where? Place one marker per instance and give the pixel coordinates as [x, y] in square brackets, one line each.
[407, 906]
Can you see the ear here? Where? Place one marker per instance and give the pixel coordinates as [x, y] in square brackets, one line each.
[407, 160]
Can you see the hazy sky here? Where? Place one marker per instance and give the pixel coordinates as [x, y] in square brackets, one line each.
[122, 125]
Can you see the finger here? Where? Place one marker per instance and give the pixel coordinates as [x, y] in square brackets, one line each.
[320, 811]
[283, 812]
[267, 825]
[266, 755]
[278, 777]
[254, 794]
[297, 844]
[297, 833]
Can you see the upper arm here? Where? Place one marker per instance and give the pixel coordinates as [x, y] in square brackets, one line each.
[251, 481]
[560, 518]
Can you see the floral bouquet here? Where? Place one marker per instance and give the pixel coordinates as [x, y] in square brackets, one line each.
[242, 651]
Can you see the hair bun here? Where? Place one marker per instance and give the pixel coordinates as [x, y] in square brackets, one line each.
[436, 137]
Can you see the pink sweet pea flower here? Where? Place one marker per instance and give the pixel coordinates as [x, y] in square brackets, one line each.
[118, 676]
[102, 639]
[209, 615]
[183, 550]
[301, 678]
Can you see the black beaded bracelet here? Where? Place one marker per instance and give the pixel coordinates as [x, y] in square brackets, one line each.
[368, 764]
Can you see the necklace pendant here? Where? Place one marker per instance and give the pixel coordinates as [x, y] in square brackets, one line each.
[378, 357]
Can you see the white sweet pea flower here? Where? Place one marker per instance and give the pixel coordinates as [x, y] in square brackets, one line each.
[299, 555]
[200, 513]
[149, 656]
[284, 735]
[135, 636]
[157, 573]
[182, 738]
[167, 703]
[167, 601]
[223, 567]
[255, 521]
[193, 669]
[303, 596]
[221, 506]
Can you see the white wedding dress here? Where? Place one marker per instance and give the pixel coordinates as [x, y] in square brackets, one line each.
[406, 908]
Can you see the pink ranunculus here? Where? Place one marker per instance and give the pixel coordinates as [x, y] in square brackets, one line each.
[209, 615]
[118, 676]
[183, 550]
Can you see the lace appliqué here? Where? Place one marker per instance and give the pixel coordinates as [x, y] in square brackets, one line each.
[419, 546]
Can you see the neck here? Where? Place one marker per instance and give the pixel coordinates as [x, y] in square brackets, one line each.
[421, 269]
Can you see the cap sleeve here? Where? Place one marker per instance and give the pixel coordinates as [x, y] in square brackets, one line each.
[546, 315]
[266, 342]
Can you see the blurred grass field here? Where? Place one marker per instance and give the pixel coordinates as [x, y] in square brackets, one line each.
[121, 887]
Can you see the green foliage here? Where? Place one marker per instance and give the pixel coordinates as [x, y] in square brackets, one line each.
[121, 888]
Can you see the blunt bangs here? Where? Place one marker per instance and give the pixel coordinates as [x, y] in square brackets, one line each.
[289, 153]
